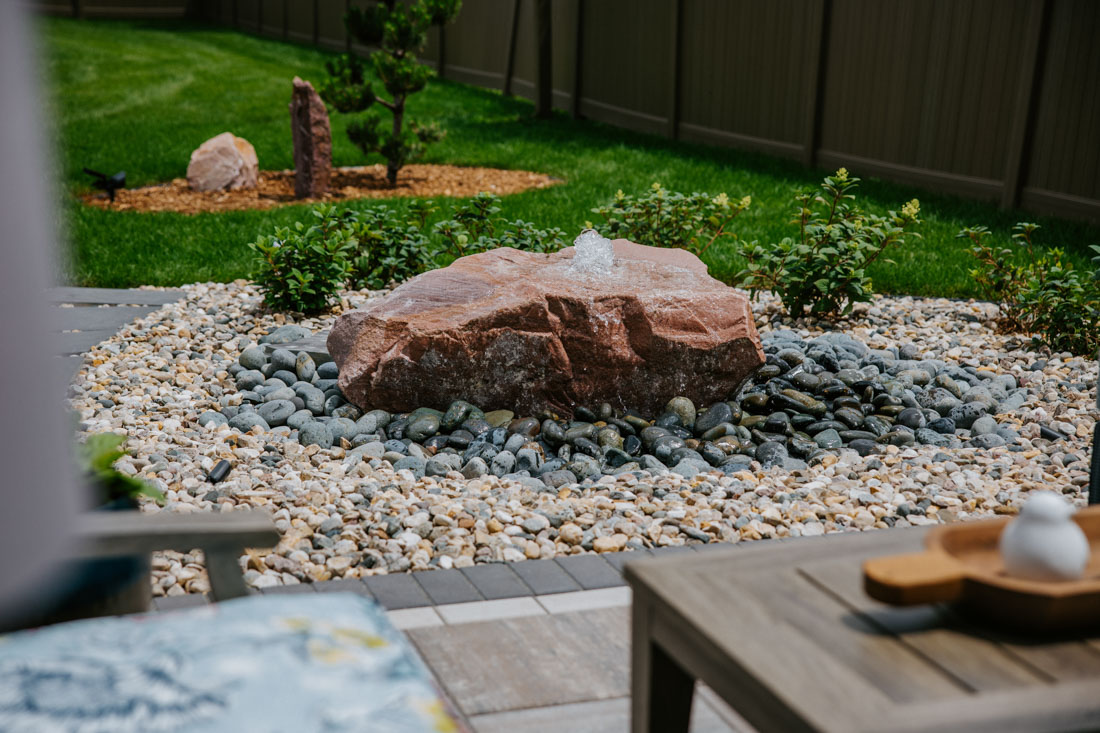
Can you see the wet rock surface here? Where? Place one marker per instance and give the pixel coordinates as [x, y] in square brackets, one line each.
[526, 331]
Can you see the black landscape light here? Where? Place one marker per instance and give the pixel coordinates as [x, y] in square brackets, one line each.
[108, 184]
[219, 472]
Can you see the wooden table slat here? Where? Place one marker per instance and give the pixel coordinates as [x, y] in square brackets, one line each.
[979, 663]
[783, 632]
[879, 658]
[784, 649]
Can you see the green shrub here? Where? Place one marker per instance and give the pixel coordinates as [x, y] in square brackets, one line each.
[661, 218]
[304, 268]
[1045, 296]
[475, 228]
[97, 458]
[389, 248]
[824, 269]
[398, 30]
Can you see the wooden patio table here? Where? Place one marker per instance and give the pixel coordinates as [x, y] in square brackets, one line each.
[784, 633]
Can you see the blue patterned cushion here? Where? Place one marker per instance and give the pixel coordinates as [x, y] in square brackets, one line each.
[299, 663]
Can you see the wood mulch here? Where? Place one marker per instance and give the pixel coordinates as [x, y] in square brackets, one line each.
[276, 188]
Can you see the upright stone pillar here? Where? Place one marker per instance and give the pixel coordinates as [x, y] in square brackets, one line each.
[312, 141]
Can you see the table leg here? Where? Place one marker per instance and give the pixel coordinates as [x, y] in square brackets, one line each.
[661, 692]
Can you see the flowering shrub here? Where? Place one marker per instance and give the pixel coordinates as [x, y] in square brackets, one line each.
[1046, 296]
[824, 269]
[661, 218]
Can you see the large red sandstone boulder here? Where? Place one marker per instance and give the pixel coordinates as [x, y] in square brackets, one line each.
[312, 136]
[525, 331]
[223, 163]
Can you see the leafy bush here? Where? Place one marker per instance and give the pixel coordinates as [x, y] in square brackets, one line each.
[389, 248]
[824, 269]
[304, 268]
[97, 456]
[399, 30]
[475, 228]
[661, 218]
[1045, 296]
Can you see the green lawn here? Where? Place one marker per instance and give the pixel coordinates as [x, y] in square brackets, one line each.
[142, 96]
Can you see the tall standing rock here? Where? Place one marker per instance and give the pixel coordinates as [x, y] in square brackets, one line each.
[312, 141]
[527, 331]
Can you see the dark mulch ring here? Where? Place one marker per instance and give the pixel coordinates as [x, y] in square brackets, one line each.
[276, 188]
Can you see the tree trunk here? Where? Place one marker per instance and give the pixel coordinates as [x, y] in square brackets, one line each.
[392, 165]
[544, 83]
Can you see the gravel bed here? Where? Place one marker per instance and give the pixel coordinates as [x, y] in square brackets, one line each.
[347, 512]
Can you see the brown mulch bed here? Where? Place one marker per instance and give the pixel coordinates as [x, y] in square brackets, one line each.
[276, 188]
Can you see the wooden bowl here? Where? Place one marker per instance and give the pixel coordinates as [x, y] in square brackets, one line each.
[962, 565]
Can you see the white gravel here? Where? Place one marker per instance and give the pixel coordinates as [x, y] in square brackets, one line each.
[153, 379]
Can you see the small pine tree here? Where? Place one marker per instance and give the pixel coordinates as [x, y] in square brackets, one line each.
[400, 30]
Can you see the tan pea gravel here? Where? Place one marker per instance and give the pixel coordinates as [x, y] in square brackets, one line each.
[153, 379]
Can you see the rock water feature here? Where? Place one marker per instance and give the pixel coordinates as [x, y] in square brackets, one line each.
[805, 399]
[810, 399]
[346, 511]
[611, 322]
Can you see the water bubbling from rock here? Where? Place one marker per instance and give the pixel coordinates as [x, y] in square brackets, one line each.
[593, 254]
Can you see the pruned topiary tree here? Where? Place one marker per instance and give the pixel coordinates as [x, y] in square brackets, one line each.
[399, 29]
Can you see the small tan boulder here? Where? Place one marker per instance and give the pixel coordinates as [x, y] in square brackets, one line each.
[222, 163]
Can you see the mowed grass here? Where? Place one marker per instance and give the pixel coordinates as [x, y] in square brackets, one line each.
[141, 96]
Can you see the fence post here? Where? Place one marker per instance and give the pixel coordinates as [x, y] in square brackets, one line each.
[259, 17]
[578, 61]
[347, 33]
[316, 22]
[673, 122]
[286, 19]
[236, 16]
[442, 50]
[544, 82]
[78, 10]
[510, 60]
[815, 81]
[1027, 99]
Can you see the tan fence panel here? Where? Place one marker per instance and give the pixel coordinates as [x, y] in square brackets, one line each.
[523, 78]
[1064, 165]
[272, 15]
[477, 43]
[745, 71]
[995, 99]
[924, 91]
[331, 33]
[626, 69]
[248, 15]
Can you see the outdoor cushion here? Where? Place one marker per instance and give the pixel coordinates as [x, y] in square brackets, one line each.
[298, 663]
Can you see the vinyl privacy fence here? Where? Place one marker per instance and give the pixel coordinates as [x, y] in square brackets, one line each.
[992, 99]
